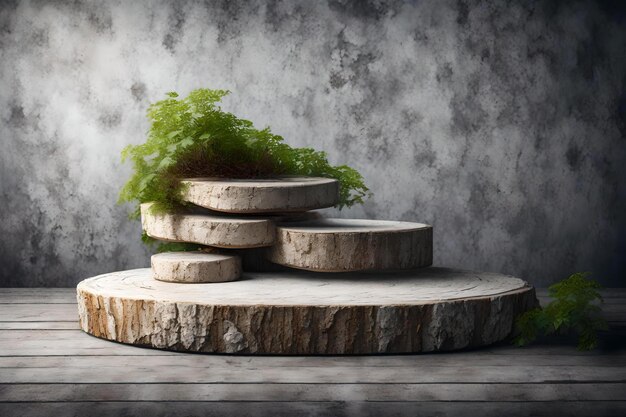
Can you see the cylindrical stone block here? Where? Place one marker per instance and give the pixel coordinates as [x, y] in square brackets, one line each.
[195, 267]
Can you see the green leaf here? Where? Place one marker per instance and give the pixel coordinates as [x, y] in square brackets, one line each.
[173, 134]
[185, 143]
[145, 181]
[166, 162]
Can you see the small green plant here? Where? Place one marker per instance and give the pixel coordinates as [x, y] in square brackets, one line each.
[193, 137]
[573, 309]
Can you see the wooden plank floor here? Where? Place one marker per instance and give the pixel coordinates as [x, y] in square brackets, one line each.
[48, 367]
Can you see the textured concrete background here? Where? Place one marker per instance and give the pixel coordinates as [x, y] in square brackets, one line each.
[500, 123]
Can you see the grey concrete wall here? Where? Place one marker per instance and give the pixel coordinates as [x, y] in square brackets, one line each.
[500, 123]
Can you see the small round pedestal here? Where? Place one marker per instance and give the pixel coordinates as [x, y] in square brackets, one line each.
[195, 267]
[305, 313]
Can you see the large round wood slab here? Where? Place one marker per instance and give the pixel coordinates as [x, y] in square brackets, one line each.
[332, 245]
[195, 267]
[207, 229]
[262, 196]
[298, 312]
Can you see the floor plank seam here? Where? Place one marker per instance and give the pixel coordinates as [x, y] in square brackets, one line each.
[573, 382]
[314, 401]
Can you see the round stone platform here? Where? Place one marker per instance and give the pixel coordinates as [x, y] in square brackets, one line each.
[208, 229]
[339, 245]
[299, 312]
[285, 194]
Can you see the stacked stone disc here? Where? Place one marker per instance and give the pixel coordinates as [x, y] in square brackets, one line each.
[275, 277]
[271, 220]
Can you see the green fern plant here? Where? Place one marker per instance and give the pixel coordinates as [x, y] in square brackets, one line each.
[194, 137]
[574, 309]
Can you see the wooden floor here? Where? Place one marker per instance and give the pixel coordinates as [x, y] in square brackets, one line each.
[48, 367]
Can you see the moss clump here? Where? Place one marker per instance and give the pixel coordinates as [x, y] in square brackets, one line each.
[573, 310]
[193, 137]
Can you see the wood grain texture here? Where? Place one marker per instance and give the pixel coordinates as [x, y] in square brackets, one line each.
[208, 229]
[195, 267]
[493, 358]
[333, 245]
[299, 313]
[262, 196]
[315, 408]
[160, 368]
[318, 392]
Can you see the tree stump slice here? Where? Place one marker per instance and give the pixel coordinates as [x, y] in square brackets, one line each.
[334, 245]
[195, 267]
[207, 229]
[286, 194]
[298, 312]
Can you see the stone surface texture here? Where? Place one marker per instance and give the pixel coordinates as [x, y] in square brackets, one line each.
[334, 245]
[262, 196]
[207, 229]
[195, 267]
[431, 309]
[500, 123]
